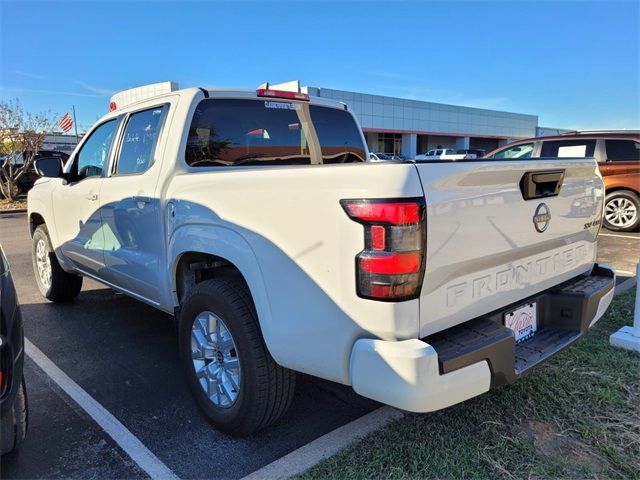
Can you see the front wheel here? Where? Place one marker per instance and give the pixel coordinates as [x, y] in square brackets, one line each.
[622, 211]
[53, 282]
[230, 372]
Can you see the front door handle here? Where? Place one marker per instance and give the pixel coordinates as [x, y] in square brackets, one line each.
[141, 199]
[92, 196]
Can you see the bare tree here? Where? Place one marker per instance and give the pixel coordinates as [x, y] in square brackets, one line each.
[21, 137]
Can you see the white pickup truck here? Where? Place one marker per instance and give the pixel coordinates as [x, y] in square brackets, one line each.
[255, 219]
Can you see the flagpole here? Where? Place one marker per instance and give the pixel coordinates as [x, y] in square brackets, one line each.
[75, 123]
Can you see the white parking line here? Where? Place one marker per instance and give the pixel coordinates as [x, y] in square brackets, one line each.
[133, 447]
[619, 236]
[323, 447]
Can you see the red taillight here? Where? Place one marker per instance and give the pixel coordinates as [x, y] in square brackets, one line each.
[112, 106]
[391, 263]
[391, 266]
[395, 213]
[264, 92]
[378, 237]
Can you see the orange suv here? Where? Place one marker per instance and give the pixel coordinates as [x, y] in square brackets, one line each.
[618, 155]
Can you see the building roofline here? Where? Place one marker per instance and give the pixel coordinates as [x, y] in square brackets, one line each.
[441, 134]
[428, 101]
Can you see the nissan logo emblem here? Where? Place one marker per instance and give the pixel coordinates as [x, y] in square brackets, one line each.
[542, 217]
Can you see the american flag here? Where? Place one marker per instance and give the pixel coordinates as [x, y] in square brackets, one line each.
[66, 123]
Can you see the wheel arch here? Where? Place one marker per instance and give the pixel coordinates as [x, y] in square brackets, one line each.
[199, 253]
[619, 188]
[35, 220]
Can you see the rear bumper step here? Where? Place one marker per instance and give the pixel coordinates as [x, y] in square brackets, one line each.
[564, 314]
[467, 360]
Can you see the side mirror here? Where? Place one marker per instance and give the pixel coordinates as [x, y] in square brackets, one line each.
[49, 167]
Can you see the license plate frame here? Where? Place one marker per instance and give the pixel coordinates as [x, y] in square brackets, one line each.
[523, 321]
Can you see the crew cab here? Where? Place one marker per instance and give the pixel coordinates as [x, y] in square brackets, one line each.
[256, 220]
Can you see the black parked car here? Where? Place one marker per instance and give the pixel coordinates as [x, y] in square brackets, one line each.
[13, 395]
[28, 179]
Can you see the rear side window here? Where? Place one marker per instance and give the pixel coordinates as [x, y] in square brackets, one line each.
[524, 150]
[568, 148]
[233, 132]
[623, 150]
[139, 141]
[339, 136]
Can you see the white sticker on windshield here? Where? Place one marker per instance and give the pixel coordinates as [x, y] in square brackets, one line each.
[282, 105]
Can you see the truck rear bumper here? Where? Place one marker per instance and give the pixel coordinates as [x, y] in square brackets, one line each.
[466, 360]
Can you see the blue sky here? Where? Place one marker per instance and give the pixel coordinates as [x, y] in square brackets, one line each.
[576, 64]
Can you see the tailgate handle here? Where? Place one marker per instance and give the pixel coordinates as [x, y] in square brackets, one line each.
[541, 184]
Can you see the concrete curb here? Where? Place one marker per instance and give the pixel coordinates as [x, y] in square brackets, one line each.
[309, 455]
[626, 285]
[9, 212]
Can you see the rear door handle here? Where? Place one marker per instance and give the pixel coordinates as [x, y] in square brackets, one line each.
[93, 197]
[141, 199]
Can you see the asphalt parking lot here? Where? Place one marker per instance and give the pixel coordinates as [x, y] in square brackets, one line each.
[129, 363]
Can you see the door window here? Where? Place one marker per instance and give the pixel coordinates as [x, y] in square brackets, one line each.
[139, 141]
[524, 150]
[621, 150]
[93, 157]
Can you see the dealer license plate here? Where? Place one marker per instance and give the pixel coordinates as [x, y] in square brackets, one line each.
[522, 321]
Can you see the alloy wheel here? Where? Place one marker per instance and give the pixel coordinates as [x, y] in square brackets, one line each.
[215, 359]
[620, 212]
[43, 263]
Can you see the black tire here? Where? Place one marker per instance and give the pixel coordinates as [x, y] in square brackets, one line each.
[64, 286]
[266, 389]
[623, 195]
[14, 423]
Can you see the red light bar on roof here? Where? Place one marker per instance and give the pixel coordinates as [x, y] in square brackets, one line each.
[265, 92]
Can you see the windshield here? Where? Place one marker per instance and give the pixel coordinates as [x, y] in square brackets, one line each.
[234, 132]
[524, 150]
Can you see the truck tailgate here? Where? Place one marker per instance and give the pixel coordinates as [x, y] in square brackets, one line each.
[488, 247]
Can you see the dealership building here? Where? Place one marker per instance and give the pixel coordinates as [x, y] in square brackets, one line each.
[410, 127]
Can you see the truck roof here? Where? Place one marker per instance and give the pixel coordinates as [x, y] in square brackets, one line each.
[132, 96]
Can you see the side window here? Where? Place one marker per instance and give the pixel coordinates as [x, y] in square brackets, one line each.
[621, 150]
[524, 150]
[92, 158]
[568, 148]
[139, 141]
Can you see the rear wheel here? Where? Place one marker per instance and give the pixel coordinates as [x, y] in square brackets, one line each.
[622, 211]
[13, 425]
[53, 282]
[231, 374]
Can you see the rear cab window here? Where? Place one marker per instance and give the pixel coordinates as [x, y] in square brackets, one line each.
[236, 132]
